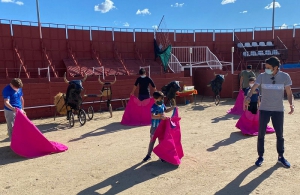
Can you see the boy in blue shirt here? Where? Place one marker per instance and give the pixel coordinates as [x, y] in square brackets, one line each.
[13, 99]
[255, 100]
[157, 114]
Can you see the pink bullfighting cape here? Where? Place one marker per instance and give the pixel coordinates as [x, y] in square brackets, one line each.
[238, 106]
[29, 142]
[249, 124]
[169, 136]
[137, 113]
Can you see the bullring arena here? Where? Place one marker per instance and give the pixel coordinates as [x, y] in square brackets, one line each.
[105, 157]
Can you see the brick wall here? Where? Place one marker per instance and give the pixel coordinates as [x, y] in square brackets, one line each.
[42, 93]
[203, 76]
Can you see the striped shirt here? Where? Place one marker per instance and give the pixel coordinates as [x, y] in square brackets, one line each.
[272, 90]
[156, 109]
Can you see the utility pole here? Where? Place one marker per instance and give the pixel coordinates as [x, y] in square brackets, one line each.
[273, 30]
[38, 17]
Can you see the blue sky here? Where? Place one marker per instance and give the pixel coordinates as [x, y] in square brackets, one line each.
[183, 14]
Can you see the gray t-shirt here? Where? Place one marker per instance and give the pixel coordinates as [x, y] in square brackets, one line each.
[272, 94]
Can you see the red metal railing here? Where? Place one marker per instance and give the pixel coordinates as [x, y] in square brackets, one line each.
[20, 59]
[121, 60]
[49, 60]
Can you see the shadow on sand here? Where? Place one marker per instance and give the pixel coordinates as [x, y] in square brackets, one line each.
[198, 107]
[234, 186]
[7, 156]
[225, 117]
[130, 177]
[5, 140]
[234, 137]
[61, 123]
[48, 127]
[110, 128]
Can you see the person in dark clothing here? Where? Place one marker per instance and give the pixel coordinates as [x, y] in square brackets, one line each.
[245, 76]
[255, 99]
[143, 81]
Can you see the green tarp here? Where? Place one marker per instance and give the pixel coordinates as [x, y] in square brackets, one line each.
[163, 54]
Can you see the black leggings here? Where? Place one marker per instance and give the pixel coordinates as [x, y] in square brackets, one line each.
[277, 121]
[252, 107]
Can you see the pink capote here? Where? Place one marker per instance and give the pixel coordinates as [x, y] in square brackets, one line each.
[137, 113]
[249, 124]
[238, 106]
[169, 136]
[29, 142]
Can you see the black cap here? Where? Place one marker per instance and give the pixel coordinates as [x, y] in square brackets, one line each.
[249, 67]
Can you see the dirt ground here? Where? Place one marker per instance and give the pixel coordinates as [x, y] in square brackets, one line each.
[105, 157]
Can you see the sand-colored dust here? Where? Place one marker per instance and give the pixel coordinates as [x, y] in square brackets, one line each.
[105, 157]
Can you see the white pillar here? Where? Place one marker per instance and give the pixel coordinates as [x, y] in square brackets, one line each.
[191, 69]
[48, 73]
[38, 17]
[232, 51]
[273, 15]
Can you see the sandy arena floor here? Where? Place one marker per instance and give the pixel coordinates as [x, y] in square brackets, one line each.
[105, 157]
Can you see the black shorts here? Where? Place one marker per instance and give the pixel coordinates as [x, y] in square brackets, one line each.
[252, 107]
[143, 97]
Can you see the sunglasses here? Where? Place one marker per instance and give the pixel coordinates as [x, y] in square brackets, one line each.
[273, 78]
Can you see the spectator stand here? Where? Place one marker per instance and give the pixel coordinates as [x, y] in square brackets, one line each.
[256, 52]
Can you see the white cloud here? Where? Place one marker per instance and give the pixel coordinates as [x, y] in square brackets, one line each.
[116, 22]
[177, 5]
[143, 12]
[19, 3]
[155, 26]
[284, 26]
[270, 6]
[244, 12]
[227, 1]
[105, 6]
[12, 1]
[126, 24]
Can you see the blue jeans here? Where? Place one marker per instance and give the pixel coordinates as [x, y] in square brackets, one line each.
[277, 121]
